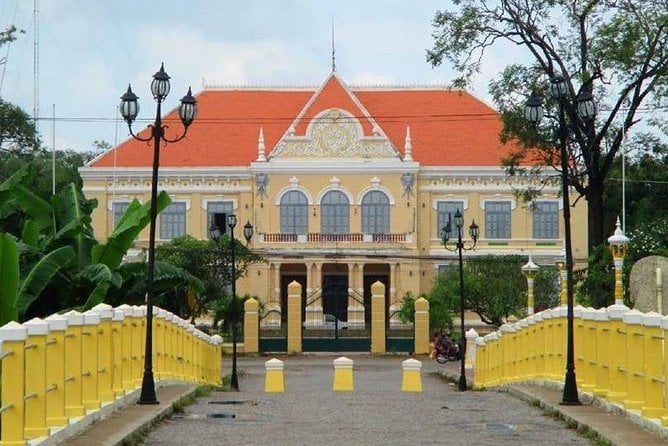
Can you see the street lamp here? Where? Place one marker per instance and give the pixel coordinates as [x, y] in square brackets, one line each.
[215, 232]
[459, 247]
[585, 110]
[129, 108]
[530, 270]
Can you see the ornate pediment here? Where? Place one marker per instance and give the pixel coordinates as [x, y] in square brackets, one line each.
[334, 133]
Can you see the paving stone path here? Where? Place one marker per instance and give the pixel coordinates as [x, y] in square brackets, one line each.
[376, 412]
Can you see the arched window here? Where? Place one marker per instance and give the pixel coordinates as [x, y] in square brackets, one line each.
[375, 213]
[335, 213]
[294, 213]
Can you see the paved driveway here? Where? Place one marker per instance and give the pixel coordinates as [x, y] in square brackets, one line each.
[377, 412]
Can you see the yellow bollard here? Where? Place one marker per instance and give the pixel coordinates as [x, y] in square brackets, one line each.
[55, 372]
[35, 380]
[274, 380]
[12, 339]
[635, 391]
[89, 364]
[471, 336]
[117, 353]
[104, 369]
[343, 374]
[73, 405]
[602, 374]
[653, 406]
[411, 379]
[617, 348]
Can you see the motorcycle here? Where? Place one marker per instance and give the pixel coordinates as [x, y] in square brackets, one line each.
[446, 350]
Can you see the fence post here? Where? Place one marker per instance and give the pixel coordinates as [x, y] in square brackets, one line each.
[159, 341]
[217, 372]
[251, 326]
[589, 352]
[12, 339]
[618, 371]
[35, 379]
[635, 392]
[138, 344]
[117, 357]
[603, 340]
[104, 369]
[73, 405]
[471, 336]
[378, 317]
[294, 317]
[653, 340]
[55, 372]
[421, 326]
[89, 362]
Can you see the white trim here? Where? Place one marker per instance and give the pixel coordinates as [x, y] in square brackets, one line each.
[450, 198]
[176, 199]
[217, 199]
[121, 199]
[560, 203]
[291, 187]
[336, 187]
[513, 202]
[373, 187]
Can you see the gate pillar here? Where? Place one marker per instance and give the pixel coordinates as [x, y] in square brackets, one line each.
[251, 326]
[421, 326]
[378, 317]
[294, 317]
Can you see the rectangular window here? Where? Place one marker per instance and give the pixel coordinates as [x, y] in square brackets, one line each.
[173, 221]
[497, 219]
[443, 208]
[218, 207]
[546, 220]
[118, 208]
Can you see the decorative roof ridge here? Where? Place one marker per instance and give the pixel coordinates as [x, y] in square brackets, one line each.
[210, 85]
[394, 87]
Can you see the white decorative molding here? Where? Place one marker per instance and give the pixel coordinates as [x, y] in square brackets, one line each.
[294, 185]
[334, 133]
[260, 147]
[117, 199]
[337, 187]
[464, 200]
[373, 187]
[218, 198]
[560, 203]
[176, 199]
[498, 197]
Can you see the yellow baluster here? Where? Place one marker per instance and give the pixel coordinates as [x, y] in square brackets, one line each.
[117, 353]
[89, 361]
[105, 364]
[55, 372]
[73, 398]
[635, 390]
[35, 381]
[13, 337]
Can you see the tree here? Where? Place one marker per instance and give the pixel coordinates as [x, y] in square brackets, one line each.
[617, 50]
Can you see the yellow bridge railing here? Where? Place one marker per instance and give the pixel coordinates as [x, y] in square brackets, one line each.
[621, 355]
[66, 369]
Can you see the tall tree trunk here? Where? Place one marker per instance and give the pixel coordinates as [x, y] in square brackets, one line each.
[595, 213]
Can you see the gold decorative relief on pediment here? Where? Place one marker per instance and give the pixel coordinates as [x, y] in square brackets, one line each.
[334, 134]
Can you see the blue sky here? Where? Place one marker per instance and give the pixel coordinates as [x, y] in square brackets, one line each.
[90, 50]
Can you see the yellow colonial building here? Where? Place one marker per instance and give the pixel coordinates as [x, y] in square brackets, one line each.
[345, 186]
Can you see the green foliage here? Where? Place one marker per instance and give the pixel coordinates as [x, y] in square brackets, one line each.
[589, 44]
[17, 130]
[598, 285]
[546, 288]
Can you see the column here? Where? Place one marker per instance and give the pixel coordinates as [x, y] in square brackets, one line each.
[294, 317]
[378, 317]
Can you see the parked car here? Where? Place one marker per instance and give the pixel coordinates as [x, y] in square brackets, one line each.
[331, 322]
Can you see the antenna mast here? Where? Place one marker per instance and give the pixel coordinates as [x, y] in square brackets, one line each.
[333, 49]
[35, 109]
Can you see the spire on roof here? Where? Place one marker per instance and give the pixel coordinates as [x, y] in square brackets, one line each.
[333, 49]
[408, 146]
[260, 147]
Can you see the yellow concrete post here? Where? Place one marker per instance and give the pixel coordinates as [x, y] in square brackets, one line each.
[197, 349]
[274, 380]
[105, 391]
[654, 382]
[294, 317]
[492, 348]
[530, 270]
[73, 405]
[190, 346]
[538, 344]
[664, 362]
[411, 379]
[378, 317]
[251, 326]
[117, 323]
[55, 372]
[548, 325]
[508, 335]
[618, 247]
[603, 340]
[343, 374]
[181, 337]
[170, 346]
[563, 273]
[159, 342]
[421, 326]
[618, 351]
[35, 380]
[589, 353]
[217, 372]
[528, 347]
[89, 358]
[12, 339]
[635, 390]
[126, 346]
[481, 371]
[559, 336]
[579, 335]
[138, 339]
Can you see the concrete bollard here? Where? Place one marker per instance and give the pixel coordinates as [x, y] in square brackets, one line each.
[55, 372]
[411, 380]
[12, 336]
[274, 380]
[471, 336]
[343, 374]
[35, 379]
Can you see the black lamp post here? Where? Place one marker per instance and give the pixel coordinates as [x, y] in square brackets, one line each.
[129, 109]
[215, 232]
[459, 247]
[581, 111]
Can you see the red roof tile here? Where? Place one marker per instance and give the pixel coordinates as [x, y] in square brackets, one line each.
[450, 128]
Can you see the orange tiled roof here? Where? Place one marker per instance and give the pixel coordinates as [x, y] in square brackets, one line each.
[448, 128]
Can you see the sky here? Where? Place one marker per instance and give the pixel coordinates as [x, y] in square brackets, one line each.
[89, 50]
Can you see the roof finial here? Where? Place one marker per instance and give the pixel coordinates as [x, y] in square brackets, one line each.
[260, 147]
[333, 49]
[408, 145]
